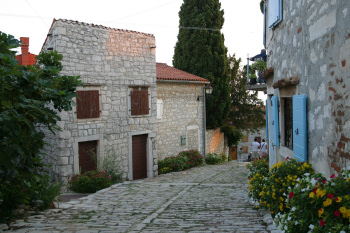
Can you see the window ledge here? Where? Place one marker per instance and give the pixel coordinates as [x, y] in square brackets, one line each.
[286, 152]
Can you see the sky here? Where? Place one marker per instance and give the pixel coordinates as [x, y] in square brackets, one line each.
[243, 27]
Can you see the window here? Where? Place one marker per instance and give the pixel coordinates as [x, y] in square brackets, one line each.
[139, 99]
[288, 122]
[274, 12]
[159, 109]
[88, 104]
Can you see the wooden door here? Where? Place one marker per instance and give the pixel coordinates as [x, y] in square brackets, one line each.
[139, 156]
[233, 152]
[87, 156]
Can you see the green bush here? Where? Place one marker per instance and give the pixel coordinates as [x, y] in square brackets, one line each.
[173, 164]
[194, 158]
[110, 165]
[90, 181]
[184, 160]
[43, 193]
[212, 158]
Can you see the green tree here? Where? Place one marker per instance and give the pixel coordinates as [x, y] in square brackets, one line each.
[200, 50]
[247, 110]
[30, 97]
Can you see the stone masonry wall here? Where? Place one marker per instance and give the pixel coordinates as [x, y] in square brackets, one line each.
[313, 42]
[182, 116]
[108, 60]
[216, 142]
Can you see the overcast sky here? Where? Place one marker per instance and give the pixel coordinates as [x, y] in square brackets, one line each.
[32, 18]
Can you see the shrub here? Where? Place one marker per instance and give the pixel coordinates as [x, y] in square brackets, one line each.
[173, 164]
[224, 157]
[259, 170]
[43, 193]
[90, 181]
[110, 165]
[281, 177]
[212, 158]
[194, 158]
[318, 204]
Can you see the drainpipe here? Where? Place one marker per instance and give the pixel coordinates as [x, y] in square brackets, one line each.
[204, 122]
[248, 68]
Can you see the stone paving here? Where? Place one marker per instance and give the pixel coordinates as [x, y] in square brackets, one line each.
[203, 199]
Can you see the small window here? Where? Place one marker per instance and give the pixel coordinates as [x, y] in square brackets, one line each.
[159, 108]
[139, 101]
[88, 104]
[245, 138]
[288, 122]
[274, 12]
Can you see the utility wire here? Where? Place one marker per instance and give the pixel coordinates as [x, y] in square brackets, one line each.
[37, 14]
[141, 12]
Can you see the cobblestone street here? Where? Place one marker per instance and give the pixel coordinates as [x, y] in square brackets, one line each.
[204, 199]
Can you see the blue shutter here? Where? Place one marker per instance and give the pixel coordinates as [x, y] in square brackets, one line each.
[275, 12]
[264, 30]
[299, 128]
[267, 121]
[274, 122]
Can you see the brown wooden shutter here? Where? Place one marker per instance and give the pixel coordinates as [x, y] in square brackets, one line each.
[87, 156]
[135, 102]
[144, 108]
[139, 102]
[88, 104]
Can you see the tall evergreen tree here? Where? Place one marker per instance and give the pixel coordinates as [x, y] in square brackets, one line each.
[200, 50]
[247, 110]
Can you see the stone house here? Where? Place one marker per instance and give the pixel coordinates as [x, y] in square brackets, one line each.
[246, 142]
[116, 109]
[180, 118]
[308, 105]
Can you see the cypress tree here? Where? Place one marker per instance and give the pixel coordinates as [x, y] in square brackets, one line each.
[200, 50]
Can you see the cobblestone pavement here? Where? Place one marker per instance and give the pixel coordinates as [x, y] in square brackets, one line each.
[203, 199]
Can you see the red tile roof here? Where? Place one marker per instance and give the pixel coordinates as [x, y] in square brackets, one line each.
[165, 72]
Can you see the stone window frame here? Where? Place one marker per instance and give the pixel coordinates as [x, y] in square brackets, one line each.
[286, 92]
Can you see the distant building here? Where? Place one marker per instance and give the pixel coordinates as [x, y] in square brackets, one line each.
[26, 58]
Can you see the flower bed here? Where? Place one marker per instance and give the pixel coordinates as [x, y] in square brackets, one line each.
[184, 160]
[299, 200]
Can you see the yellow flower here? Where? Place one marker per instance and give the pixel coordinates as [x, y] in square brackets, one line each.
[320, 212]
[281, 198]
[320, 192]
[327, 202]
[342, 210]
[281, 206]
[338, 199]
[311, 195]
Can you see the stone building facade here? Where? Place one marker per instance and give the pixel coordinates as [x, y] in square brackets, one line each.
[248, 138]
[116, 109]
[180, 111]
[308, 47]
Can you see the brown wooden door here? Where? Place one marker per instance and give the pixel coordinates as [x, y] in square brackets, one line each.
[139, 156]
[233, 153]
[87, 156]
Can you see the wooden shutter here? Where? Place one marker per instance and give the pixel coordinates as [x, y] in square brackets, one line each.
[87, 156]
[274, 12]
[139, 102]
[274, 122]
[299, 128]
[88, 104]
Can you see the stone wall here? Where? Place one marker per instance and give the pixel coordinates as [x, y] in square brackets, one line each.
[313, 42]
[216, 142]
[111, 61]
[182, 117]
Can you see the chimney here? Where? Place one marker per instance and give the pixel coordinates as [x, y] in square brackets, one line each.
[25, 45]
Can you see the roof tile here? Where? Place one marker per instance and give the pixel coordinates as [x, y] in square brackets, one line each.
[165, 72]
